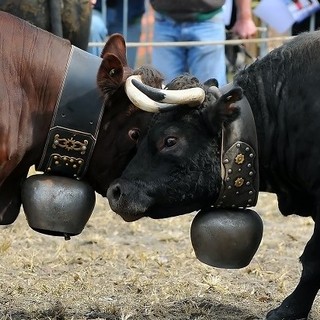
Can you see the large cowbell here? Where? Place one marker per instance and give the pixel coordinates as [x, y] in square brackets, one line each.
[57, 206]
[229, 234]
[58, 202]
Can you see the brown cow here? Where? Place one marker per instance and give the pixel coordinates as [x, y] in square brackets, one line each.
[34, 78]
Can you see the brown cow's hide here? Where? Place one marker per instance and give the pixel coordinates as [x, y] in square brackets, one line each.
[32, 69]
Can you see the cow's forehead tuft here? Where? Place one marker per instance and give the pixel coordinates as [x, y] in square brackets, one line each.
[180, 114]
[184, 81]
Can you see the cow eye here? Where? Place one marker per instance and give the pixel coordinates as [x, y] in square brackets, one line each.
[112, 72]
[170, 142]
[134, 134]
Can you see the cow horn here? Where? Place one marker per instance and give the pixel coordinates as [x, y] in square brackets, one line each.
[191, 96]
[140, 100]
[155, 100]
[215, 90]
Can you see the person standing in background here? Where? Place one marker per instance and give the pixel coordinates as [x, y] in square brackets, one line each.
[98, 28]
[196, 20]
[113, 22]
[136, 9]
[306, 25]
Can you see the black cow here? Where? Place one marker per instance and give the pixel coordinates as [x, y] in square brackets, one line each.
[178, 168]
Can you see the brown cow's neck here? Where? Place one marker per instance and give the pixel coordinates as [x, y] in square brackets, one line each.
[33, 64]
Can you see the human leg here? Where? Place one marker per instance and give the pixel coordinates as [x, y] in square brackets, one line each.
[98, 32]
[115, 25]
[170, 61]
[133, 35]
[207, 61]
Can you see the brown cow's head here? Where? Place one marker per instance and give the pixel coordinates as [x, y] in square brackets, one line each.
[122, 124]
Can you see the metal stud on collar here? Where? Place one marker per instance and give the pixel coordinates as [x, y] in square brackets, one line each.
[239, 174]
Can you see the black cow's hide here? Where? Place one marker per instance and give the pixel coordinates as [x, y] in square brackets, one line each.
[177, 167]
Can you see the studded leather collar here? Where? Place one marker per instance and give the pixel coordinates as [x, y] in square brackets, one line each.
[75, 124]
[239, 160]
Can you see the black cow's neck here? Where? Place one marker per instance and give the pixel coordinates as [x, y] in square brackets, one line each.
[239, 160]
[75, 124]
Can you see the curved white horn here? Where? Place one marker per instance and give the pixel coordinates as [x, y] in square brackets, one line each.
[191, 96]
[140, 100]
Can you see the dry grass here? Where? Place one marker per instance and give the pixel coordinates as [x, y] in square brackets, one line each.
[144, 270]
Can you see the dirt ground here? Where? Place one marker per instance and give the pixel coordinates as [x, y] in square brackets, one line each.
[145, 270]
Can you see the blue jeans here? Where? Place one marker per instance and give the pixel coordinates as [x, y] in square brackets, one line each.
[204, 62]
[115, 25]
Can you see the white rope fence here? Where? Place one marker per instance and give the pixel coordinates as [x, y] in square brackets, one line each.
[198, 43]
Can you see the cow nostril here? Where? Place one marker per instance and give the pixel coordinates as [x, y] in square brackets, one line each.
[115, 192]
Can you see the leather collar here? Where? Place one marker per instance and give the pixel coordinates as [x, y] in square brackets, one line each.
[239, 160]
[76, 120]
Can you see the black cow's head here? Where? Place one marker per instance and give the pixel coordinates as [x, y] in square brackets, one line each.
[177, 167]
[122, 123]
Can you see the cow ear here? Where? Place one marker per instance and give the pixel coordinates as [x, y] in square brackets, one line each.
[221, 111]
[114, 67]
[211, 83]
[111, 74]
[117, 46]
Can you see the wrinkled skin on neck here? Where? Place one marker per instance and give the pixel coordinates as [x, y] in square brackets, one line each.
[32, 66]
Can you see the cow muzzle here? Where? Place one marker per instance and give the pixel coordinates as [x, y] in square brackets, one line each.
[120, 195]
